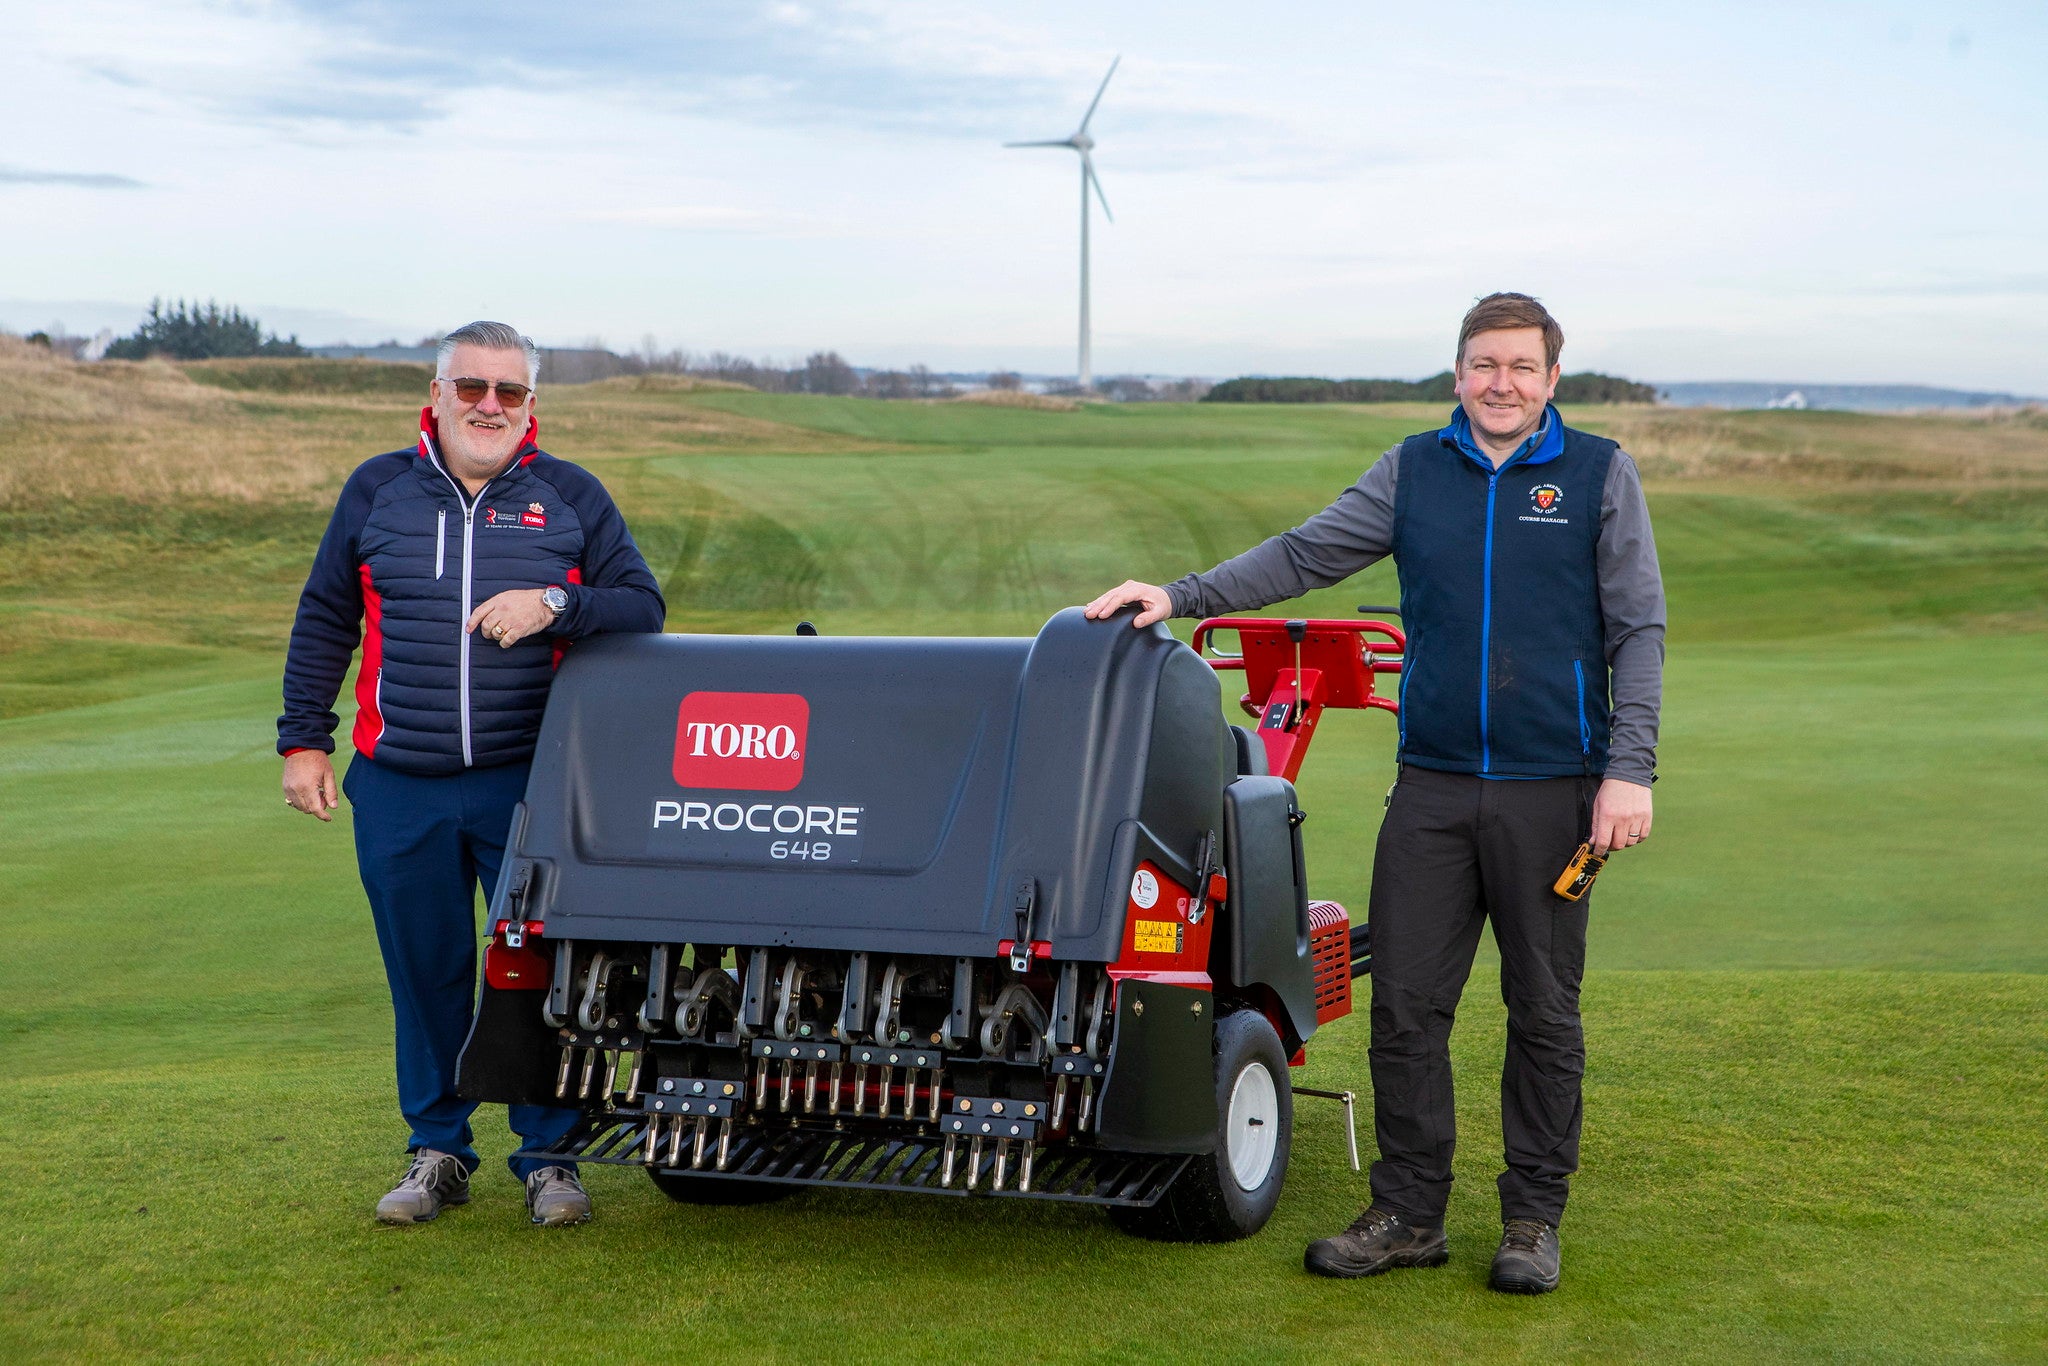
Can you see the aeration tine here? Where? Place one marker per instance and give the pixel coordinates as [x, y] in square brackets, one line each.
[562, 1074]
[973, 1161]
[860, 1088]
[611, 1076]
[1059, 1101]
[761, 1083]
[697, 1148]
[888, 1080]
[589, 1073]
[788, 1090]
[1024, 1167]
[1087, 1104]
[633, 1081]
[653, 1138]
[675, 1142]
[946, 1164]
[934, 1108]
[1002, 1162]
[909, 1092]
[838, 1075]
[724, 1143]
[810, 1087]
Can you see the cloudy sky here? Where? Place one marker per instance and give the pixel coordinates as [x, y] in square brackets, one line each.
[1845, 193]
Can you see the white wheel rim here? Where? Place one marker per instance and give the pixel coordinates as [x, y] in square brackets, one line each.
[1252, 1131]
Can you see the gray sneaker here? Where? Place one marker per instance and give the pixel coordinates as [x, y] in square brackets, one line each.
[555, 1197]
[1527, 1263]
[434, 1181]
[1376, 1241]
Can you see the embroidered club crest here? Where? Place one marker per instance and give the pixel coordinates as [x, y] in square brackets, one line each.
[1545, 497]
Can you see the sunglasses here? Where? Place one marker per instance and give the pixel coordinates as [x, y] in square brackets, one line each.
[473, 391]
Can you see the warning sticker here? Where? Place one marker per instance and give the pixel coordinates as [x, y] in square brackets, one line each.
[1157, 936]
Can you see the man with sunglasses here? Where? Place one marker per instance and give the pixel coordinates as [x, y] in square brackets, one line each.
[463, 565]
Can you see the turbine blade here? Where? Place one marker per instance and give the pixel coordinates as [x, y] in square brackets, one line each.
[1088, 172]
[1062, 142]
[1098, 96]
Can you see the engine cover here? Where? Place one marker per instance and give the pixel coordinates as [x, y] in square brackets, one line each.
[879, 794]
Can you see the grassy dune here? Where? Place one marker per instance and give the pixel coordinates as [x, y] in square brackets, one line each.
[1818, 1090]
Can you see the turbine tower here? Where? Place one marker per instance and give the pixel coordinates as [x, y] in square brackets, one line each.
[1082, 143]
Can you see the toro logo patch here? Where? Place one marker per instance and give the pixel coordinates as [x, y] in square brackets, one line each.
[745, 741]
[1544, 497]
[533, 519]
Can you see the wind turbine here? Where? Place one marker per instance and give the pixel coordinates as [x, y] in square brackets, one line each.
[1082, 143]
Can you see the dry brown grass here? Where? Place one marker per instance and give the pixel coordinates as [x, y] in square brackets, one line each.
[149, 433]
[1999, 446]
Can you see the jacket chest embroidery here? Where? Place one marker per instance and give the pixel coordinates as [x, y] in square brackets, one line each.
[1545, 501]
[533, 518]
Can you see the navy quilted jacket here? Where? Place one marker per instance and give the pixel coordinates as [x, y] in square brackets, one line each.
[406, 558]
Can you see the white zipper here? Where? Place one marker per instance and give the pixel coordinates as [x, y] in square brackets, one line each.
[441, 543]
[462, 641]
[382, 721]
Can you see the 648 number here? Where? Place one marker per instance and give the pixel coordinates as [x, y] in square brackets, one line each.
[816, 851]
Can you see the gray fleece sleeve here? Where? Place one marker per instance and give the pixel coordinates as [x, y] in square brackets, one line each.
[1632, 603]
[1329, 547]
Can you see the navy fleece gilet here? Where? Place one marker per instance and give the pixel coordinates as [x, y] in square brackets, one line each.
[1506, 670]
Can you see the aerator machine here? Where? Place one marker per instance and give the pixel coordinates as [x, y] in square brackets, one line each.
[1019, 918]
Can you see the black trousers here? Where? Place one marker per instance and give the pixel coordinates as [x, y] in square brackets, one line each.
[1456, 850]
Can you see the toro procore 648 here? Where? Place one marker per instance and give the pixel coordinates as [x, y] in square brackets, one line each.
[1005, 917]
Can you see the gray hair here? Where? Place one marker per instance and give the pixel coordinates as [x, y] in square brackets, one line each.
[491, 337]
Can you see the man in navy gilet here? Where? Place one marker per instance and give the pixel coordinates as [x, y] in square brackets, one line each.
[463, 564]
[1529, 702]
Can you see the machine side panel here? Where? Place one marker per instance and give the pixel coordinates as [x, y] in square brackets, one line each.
[1160, 1093]
[1266, 916]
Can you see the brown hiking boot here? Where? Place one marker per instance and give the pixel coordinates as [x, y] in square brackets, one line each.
[1376, 1241]
[434, 1181]
[1528, 1260]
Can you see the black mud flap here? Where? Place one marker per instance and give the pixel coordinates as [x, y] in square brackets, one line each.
[508, 1056]
[1160, 1093]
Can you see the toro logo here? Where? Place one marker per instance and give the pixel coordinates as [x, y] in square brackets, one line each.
[749, 741]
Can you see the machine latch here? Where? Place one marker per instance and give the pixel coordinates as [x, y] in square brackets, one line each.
[1025, 902]
[515, 905]
[1206, 874]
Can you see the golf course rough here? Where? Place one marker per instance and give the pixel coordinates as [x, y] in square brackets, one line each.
[1816, 1006]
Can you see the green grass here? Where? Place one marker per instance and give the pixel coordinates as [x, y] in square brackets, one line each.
[1817, 1100]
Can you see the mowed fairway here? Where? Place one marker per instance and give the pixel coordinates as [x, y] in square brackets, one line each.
[1817, 1099]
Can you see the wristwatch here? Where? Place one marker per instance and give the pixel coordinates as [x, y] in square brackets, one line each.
[555, 598]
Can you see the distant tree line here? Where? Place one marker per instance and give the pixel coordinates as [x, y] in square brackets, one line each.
[826, 372]
[1586, 387]
[189, 332]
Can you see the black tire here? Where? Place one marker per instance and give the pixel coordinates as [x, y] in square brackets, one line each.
[686, 1189]
[1210, 1203]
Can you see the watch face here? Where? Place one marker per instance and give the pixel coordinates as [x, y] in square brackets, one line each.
[555, 598]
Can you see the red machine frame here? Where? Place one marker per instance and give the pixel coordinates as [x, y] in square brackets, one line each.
[1295, 667]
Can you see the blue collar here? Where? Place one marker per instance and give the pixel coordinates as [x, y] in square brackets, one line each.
[1543, 445]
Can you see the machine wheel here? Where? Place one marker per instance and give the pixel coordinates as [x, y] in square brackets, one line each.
[1231, 1192]
[714, 1190]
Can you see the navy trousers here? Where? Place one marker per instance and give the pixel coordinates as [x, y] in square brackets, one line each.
[425, 845]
